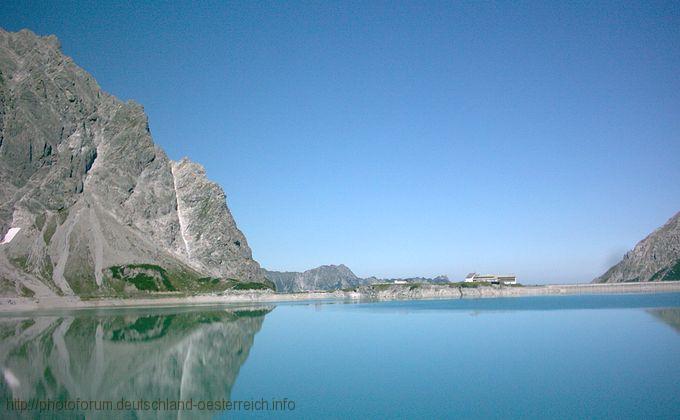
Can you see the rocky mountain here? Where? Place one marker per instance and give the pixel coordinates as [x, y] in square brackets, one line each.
[655, 258]
[89, 205]
[331, 277]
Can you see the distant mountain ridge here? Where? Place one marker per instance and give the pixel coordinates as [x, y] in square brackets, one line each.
[655, 258]
[330, 277]
[325, 277]
[89, 205]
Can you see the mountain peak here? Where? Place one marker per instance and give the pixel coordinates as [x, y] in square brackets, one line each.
[96, 201]
[655, 258]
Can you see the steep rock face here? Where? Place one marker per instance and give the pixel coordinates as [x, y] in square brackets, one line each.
[89, 190]
[655, 258]
[219, 248]
[325, 277]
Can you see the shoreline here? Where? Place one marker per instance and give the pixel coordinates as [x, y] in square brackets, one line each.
[361, 293]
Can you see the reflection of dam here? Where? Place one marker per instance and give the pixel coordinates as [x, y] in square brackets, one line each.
[154, 356]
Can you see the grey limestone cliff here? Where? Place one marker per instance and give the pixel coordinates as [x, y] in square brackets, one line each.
[655, 258]
[91, 206]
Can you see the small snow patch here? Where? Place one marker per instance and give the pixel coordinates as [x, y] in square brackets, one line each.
[11, 233]
[10, 379]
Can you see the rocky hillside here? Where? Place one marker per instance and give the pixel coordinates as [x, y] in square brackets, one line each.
[655, 258]
[89, 205]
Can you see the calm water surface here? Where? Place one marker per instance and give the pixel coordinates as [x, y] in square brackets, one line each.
[615, 356]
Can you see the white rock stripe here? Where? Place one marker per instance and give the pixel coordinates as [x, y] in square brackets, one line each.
[182, 224]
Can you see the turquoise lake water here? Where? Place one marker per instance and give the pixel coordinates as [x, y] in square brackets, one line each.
[615, 356]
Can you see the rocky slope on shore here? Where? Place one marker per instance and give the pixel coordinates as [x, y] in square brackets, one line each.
[655, 258]
[89, 205]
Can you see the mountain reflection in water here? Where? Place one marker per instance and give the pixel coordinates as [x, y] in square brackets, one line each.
[670, 316]
[174, 355]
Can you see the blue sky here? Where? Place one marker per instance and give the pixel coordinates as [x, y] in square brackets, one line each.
[407, 138]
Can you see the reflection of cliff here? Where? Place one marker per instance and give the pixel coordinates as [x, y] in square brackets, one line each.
[670, 316]
[173, 356]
